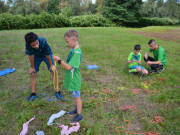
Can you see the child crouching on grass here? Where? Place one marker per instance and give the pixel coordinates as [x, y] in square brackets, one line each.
[72, 80]
[134, 61]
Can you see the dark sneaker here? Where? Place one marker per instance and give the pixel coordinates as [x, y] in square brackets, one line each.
[32, 97]
[152, 71]
[59, 95]
[160, 70]
[73, 112]
[77, 118]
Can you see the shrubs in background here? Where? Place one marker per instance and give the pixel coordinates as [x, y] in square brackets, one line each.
[45, 20]
[157, 21]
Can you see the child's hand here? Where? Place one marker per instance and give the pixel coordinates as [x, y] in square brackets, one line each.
[52, 68]
[139, 62]
[32, 70]
[56, 58]
[146, 56]
[148, 63]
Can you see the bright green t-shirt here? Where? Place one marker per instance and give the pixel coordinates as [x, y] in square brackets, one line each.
[132, 56]
[72, 81]
[160, 54]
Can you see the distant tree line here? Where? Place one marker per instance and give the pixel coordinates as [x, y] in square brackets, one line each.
[120, 12]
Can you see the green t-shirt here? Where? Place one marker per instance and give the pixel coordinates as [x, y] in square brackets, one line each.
[72, 81]
[132, 56]
[160, 54]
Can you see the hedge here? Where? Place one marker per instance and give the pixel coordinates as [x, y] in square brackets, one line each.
[157, 22]
[44, 20]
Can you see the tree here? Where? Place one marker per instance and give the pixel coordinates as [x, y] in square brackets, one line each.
[148, 8]
[122, 12]
[160, 8]
[25, 7]
[3, 7]
[75, 6]
[173, 8]
[92, 8]
[53, 6]
[99, 4]
[43, 5]
[19, 7]
[87, 7]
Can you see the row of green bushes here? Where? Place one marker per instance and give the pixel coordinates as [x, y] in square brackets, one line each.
[157, 21]
[44, 20]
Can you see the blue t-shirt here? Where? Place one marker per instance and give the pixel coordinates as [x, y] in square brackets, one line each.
[43, 50]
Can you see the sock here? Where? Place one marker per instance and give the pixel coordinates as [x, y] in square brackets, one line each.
[33, 94]
[58, 92]
[79, 114]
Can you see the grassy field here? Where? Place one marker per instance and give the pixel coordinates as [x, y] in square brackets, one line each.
[104, 90]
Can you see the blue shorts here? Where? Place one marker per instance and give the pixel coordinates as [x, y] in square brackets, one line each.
[137, 66]
[38, 60]
[76, 94]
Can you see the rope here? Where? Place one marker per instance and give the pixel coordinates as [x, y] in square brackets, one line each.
[55, 74]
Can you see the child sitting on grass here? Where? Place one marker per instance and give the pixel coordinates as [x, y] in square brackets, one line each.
[134, 61]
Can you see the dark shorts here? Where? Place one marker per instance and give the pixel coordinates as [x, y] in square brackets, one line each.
[153, 66]
[38, 60]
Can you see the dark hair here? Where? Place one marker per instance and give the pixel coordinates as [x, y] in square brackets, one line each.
[151, 41]
[71, 33]
[30, 37]
[137, 47]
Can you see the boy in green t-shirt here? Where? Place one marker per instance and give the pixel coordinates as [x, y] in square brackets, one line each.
[158, 63]
[72, 80]
[134, 61]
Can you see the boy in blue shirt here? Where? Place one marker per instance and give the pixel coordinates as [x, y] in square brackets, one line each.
[38, 50]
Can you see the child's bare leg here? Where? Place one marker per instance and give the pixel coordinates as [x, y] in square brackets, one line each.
[145, 71]
[78, 103]
[33, 86]
[33, 82]
[138, 69]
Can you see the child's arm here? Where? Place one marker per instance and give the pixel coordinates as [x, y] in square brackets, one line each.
[153, 62]
[139, 62]
[130, 61]
[146, 55]
[31, 59]
[47, 52]
[50, 62]
[64, 64]
[130, 58]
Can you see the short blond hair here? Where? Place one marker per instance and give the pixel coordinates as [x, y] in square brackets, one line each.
[71, 33]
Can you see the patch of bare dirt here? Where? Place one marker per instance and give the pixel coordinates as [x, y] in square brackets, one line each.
[170, 35]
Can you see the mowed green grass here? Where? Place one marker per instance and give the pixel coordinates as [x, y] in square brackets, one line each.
[103, 90]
